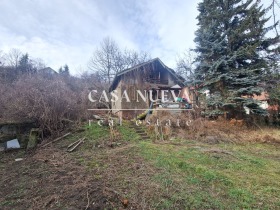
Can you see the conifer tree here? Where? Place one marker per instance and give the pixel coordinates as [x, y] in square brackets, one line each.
[25, 65]
[64, 71]
[233, 53]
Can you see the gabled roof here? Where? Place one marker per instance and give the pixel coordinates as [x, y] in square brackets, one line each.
[171, 71]
[48, 70]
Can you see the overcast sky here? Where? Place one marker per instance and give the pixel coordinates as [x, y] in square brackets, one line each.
[68, 31]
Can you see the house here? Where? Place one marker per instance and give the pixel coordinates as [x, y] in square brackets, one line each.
[144, 84]
[264, 100]
[48, 71]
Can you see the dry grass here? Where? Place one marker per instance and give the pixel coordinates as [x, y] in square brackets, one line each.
[49, 179]
[170, 174]
[208, 131]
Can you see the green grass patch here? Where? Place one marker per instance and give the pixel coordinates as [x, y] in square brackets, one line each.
[96, 132]
[191, 175]
[127, 134]
[238, 181]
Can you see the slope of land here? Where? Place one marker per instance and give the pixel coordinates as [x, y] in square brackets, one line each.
[134, 174]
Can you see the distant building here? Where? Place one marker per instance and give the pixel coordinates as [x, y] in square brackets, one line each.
[264, 103]
[48, 71]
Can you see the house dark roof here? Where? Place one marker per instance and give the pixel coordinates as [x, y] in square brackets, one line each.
[48, 70]
[171, 71]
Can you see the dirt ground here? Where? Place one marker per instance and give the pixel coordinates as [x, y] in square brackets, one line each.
[50, 179]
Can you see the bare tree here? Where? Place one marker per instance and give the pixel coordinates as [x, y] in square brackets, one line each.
[109, 59]
[132, 58]
[2, 58]
[185, 65]
[38, 63]
[13, 57]
[105, 59]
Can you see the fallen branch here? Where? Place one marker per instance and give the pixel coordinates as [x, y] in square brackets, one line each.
[88, 201]
[70, 145]
[75, 145]
[57, 139]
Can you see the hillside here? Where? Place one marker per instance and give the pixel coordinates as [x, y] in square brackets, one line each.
[142, 174]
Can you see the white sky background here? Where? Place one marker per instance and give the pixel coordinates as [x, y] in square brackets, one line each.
[68, 31]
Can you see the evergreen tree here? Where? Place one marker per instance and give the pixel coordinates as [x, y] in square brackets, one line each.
[64, 71]
[60, 70]
[25, 65]
[232, 52]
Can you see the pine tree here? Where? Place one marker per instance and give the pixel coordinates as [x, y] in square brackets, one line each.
[232, 52]
[64, 71]
[25, 65]
[60, 70]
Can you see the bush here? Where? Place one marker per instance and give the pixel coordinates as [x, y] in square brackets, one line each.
[53, 102]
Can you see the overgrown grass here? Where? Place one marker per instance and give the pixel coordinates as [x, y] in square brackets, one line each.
[128, 134]
[98, 143]
[96, 131]
[205, 180]
[187, 174]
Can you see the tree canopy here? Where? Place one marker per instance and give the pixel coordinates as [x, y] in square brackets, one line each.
[234, 53]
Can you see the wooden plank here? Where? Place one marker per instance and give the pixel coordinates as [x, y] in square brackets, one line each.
[57, 139]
